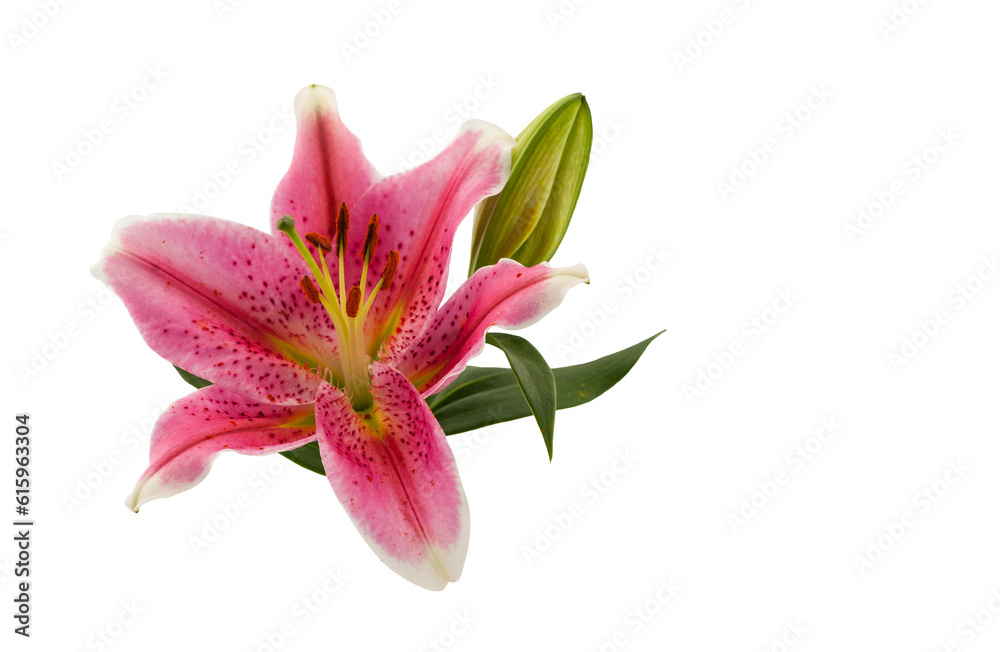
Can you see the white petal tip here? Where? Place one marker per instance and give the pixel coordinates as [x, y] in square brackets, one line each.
[141, 494]
[132, 502]
[97, 271]
[579, 270]
[430, 577]
[315, 98]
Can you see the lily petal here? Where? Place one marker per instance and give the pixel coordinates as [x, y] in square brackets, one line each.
[395, 474]
[506, 294]
[222, 301]
[419, 212]
[328, 166]
[194, 430]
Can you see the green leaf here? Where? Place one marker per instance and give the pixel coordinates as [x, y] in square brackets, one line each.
[534, 379]
[307, 457]
[462, 406]
[471, 381]
[191, 379]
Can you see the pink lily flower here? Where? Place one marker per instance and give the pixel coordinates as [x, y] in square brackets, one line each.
[332, 329]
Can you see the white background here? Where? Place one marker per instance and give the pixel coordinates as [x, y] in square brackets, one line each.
[801, 572]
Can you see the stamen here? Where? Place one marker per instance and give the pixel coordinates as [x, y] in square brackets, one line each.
[343, 225]
[324, 294]
[371, 238]
[389, 273]
[353, 301]
[310, 289]
[368, 251]
[321, 242]
[327, 282]
[347, 308]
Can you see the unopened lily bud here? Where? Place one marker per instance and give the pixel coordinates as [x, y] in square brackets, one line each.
[527, 220]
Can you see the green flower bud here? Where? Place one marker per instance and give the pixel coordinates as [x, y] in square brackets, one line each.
[527, 220]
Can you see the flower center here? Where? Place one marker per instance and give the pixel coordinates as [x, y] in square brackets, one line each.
[348, 307]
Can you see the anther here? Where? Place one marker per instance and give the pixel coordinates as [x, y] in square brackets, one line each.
[321, 242]
[310, 289]
[389, 272]
[343, 224]
[353, 301]
[371, 238]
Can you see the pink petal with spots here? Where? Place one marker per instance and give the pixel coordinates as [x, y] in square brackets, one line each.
[222, 301]
[419, 211]
[328, 166]
[395, 474]
[194, 430]
[506, 294]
